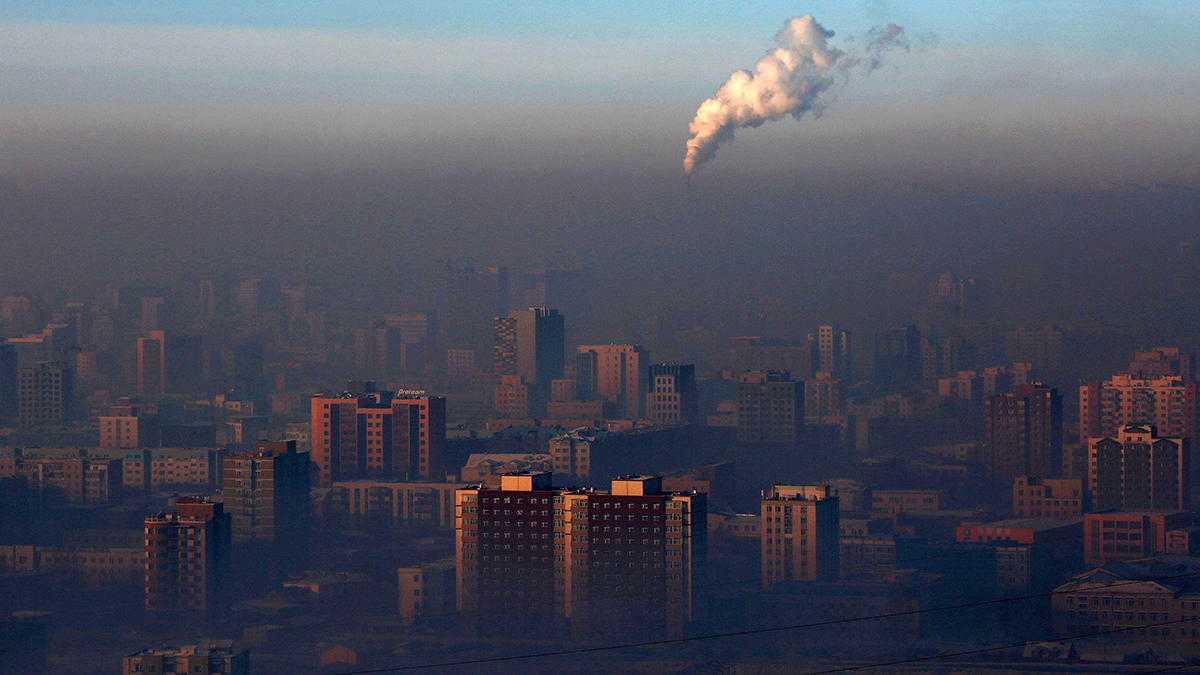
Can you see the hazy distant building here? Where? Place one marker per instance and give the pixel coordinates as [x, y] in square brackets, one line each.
[1137, 469]
[822, 396]
[800, 534]
[45, 395]
[770, 408]
[512, 397]
[69, 475]
[188, 557]
[473, 299]
[1163, 361]
[646, 569]
[951, 298]
[531, 343]
[617, 374]
[567, 288]
[672, 393]
[1042, 348]
[8, 382]
[426, 590]
[756, 353]
[391, 503]
[831, 352]
[378, 434]
[267, 494]
[128, 426]
[897, 356]
[1023, 433]
[1166, 402]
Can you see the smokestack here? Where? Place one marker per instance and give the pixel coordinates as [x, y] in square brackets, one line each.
[789, 80]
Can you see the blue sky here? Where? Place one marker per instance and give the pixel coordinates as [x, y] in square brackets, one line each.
[352, 72]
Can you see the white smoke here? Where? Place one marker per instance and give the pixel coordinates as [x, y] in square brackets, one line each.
[789, 80]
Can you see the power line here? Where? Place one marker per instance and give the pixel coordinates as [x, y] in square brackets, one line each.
[511, 608]
[984, 650]
[742, 633]
[1150, 672]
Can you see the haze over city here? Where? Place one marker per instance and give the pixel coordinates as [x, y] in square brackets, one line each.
[878, 319]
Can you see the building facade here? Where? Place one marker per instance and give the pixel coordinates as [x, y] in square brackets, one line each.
[267, 494]
[188, 557]
[672, 393]
[619, 561]
[770, 408]
[1023, 433]
[800, 535]
[1137, 469]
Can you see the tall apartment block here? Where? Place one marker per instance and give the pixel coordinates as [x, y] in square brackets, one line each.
[531, 343]
[267, 494]
[1166, 402]
[187, 557]
[473, 298]
[672, 393]
[822, 396]
[373, 434]
[152, 364]
[616, 373]
[799, 533]
[8, 382]
[1023, 433]
[1042, 348]
[1163, 361]
[45, 394]
[620, 561]
[770, 408]
[1139, 470]
[897, 356]
[831, 351]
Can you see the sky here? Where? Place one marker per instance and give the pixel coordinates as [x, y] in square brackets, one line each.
[87, 83]
[138, 138]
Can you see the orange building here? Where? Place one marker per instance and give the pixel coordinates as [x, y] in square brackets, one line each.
[618, 374]
[1129, 535]
[374, 434]
[799, 534]
[187, 557]
[1137, 469]
[1167, 402]
[1048, 497]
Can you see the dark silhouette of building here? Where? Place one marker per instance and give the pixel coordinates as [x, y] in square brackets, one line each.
[897, 356]
[1023, 433]
[188, 557]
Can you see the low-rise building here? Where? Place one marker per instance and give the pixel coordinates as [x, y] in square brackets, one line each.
[1129, 535]
[1048, 497]
[216, 658]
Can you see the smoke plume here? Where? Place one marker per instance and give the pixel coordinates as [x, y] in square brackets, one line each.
[789, 80]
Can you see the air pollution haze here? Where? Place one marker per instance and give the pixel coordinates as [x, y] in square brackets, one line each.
[789, 80]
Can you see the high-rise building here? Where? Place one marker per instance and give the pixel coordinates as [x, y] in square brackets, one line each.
[755, 353]
[831, 351]
[1138, 470]
[45, 395]
[822, 396]
[188, 557]
[267, 494]
[672, 396]
[1042, 348]
[799, 533]
[620, 561]
[617, 374]
[152, 364]
[1023, 433]
[8, 382]
[567, 288]
[770, 408]
[530, 343]
[951, 298]
[473, 299]
[1166, 402]
[378, 435]
[897, 356]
